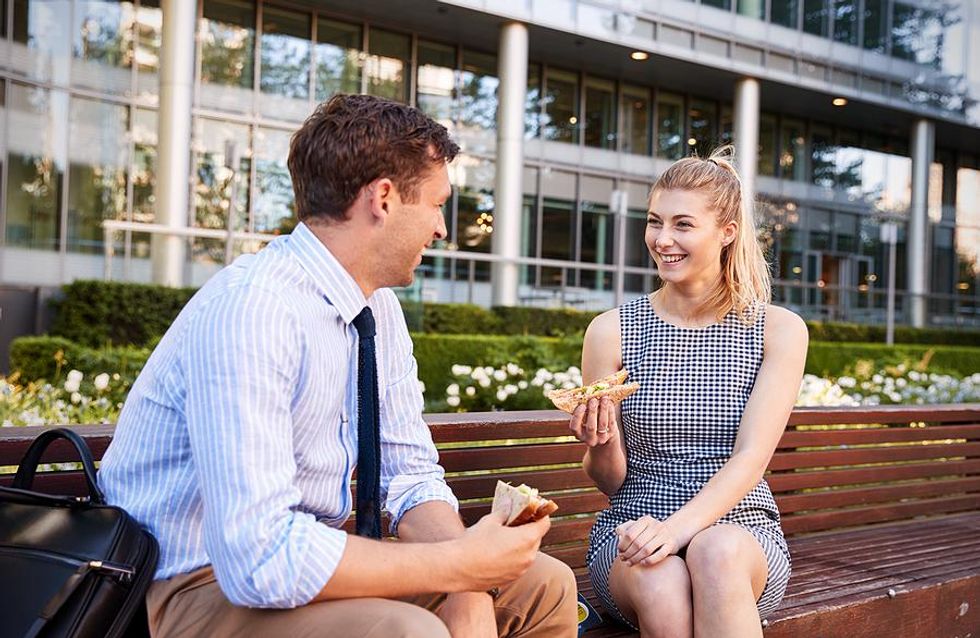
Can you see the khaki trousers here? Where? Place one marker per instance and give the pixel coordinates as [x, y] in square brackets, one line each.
[540, 604]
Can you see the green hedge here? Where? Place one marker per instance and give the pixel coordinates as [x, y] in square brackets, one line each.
[833, 359]
[98, 313]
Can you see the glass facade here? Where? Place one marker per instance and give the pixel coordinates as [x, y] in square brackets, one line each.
[79, 101]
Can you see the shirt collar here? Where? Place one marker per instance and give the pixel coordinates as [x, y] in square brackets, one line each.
[331, 278]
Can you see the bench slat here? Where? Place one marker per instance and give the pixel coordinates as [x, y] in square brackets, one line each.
[797, 480]
[579, 503]
[499, 457]
[862, 496]
[878, 514]
[814, 438]
[853, 456]
[544, 480]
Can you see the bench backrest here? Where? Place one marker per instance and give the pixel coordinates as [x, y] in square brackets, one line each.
[834, 467]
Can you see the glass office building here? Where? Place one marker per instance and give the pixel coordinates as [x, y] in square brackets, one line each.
[855, 114]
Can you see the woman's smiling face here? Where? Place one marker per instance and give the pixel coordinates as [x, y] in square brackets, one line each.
[684, 237]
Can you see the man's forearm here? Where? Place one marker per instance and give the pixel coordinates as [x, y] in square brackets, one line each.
[430, 522]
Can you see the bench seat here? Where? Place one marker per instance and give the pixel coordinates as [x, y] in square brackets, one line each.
[881, 507]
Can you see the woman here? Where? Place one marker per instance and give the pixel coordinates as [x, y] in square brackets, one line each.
[691, 542]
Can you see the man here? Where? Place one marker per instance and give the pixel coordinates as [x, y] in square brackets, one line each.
[236, 445]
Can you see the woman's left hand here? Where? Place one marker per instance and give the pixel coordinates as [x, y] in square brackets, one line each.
[646, 541]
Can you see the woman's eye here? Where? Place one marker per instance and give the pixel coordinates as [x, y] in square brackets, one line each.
[653, 222]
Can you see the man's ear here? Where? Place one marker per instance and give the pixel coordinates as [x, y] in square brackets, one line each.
[380, 194]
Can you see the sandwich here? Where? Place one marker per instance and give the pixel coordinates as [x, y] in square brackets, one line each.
[521, 504]
[613, 386]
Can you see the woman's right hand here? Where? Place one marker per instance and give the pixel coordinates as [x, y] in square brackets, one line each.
[594, 423]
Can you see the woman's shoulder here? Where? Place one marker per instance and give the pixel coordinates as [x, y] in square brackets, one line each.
[604, 325]
[786, 326]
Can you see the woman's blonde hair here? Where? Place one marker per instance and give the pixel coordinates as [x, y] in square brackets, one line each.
[745, 280]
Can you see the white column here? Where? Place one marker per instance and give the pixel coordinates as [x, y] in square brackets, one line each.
[746, 134]
[511, 92]
[923, 149]
[174, 135]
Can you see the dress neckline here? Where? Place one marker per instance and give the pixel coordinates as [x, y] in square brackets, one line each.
[657, 317]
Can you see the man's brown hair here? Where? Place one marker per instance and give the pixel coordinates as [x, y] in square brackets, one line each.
[351, 140]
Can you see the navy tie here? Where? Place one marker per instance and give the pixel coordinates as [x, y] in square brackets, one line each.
[368, 426]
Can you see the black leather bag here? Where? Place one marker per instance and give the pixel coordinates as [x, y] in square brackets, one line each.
[70, 566]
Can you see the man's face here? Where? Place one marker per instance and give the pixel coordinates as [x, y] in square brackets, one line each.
[411, 228]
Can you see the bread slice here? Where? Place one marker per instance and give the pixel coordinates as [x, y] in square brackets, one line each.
[521, 504]
[612, 386]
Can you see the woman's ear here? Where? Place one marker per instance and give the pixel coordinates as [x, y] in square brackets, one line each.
[728, 233]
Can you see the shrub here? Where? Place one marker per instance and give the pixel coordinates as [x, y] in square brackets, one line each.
[834, 359]
[458, 318]
[542, 321]
[99, 313]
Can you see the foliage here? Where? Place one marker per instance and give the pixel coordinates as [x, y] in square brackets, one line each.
[76, 400]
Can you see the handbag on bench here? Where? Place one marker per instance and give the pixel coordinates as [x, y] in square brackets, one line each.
[70, 566]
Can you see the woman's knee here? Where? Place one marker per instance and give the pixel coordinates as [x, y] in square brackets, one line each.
[665, 585]
[722, 554]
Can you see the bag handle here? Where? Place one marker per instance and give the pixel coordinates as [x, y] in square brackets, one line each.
[24, 479]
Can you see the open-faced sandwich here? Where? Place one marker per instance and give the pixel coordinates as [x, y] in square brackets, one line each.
[521, 504]
[613, 386]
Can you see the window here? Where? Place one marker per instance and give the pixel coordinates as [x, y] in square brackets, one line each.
[823, 158]
[474, 214]
[875, 13]
[388, 64]
[815, 17]
[784, 12]
[97, 153]
[529, 225]
[42, 39]
[149, 38]
[437, 81]
[636, 120]
[143, 176]
[703, 116]
[560, 119]
[285, 73]
[222, 165]
[767, 145]
[102, 45]
[35, 166]
[792, 155]
[532, 103]
[275, 206]
[600, 113]
[227, 52]
[849, 161]
[719, 4]
[558, 217]
[670, 126]
[752, 8]
[338, 58]
[478, 99]
[845, 21]
[596, 232]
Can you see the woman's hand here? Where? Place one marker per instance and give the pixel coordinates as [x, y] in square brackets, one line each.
[645, 541]
[594, 423]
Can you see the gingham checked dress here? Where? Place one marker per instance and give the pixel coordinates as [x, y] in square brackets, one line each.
[680, 428]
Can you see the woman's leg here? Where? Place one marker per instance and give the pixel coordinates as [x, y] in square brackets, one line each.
[728, 573]
[656, 599]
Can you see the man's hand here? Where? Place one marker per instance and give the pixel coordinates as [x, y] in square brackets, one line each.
[469, 615]
[491, 554]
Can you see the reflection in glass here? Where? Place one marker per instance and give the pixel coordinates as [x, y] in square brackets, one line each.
[726, 133]
[784, 12]
[529, 225]
[819, 221]
[597, 244]
[338, 58]
[823, 158]
[815, 17]
[35, 166]
[478, 99]
[560, 117]
[875, 14]
[704, 126]
[41, 40]
[532, 103]
[387, 66]
[670, 126]
[143, 176]
[214, 182]
[436, 81]
[146, 56]
[767, 145]
[968, 231]
[849, 160]
[600, 113]
[636, 120]
[917, 34]
[227, 51]
[97, 154]
[474, 213]
[720, 4]
[792, 155]
[752, 8]
[284, 77]
[558, 217]
[275, 210]
[845, 21]
[102, 44]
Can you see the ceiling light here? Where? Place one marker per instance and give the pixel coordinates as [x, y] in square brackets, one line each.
[691, 142]
[839, 101]
[639, 55]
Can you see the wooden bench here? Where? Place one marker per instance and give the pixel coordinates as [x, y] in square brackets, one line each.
[881, 507]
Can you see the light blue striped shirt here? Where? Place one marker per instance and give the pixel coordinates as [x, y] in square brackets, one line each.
[236, 444]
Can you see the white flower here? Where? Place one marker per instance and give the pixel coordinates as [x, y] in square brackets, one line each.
[846, 382]
[461, 371]
[453, 390]
[102, 381]
[878, 378]
[502, 394]
[484, 382]
[522, 384]
[510, 388]
[421, 386]
[499, 375]
[453, 401]
[513, 369]
[75, 397]
[470, 391]
[73, 381]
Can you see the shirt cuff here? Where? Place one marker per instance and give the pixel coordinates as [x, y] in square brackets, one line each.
[401, 502]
